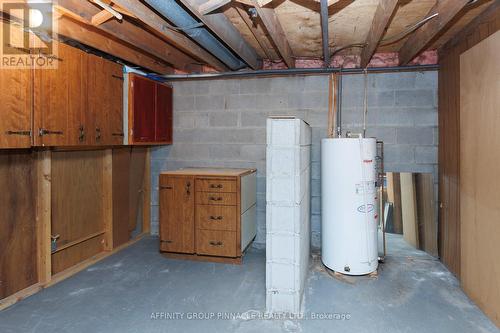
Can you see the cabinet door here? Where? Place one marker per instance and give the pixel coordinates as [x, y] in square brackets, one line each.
[104, 115]
[177, 214]
[60, 100]
[15, 115]
[163, 114]
[114, 133]
[142, 113]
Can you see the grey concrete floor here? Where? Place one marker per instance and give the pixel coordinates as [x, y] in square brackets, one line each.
[135, 289]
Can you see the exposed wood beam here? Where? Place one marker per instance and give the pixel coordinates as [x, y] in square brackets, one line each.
[227, 32]
[130, 33]
[385, 10]
[150, 18]
[263, 3]
[91, 36]
[447, 10]
[257, 33]
[275, 31]
[101, 17]
[324, 32]
[211, 5]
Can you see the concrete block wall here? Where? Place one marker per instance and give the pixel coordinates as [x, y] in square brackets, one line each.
[223, 123]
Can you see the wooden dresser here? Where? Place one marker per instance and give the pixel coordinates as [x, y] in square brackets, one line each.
[207, 213]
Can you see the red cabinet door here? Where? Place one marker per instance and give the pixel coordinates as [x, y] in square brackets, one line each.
[163, 114]
[143, 108]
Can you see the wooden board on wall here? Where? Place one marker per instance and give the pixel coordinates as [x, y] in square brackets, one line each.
[479, 182]
[77, 204]
[18, 264]
[137, 184]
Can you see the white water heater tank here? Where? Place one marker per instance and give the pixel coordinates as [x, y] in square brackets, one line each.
[348, 208]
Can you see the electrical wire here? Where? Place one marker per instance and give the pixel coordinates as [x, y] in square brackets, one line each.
[401, 35]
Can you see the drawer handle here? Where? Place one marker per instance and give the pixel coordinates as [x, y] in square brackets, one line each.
[214, 243]
[216, 186]
[166, 187]
[43, 131]
[216, 218]
[27, 133]
[215, 198]
[167, 241]
[117, 134]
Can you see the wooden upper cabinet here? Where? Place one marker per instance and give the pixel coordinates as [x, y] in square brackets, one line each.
[15, 115]
[150, 111]
[164, 112]
[141, 109]
[104, 115]
[60, 100]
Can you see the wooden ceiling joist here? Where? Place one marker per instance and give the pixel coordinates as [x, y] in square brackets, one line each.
[160, 26]
[91, 36]
[446, 10]
[256, 32]
[385, 10]
[220, 25]
[211, 5]
[276, 32]
[84, 11]
[101, 17]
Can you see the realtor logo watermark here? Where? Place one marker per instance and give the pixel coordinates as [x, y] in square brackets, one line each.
[27, 31]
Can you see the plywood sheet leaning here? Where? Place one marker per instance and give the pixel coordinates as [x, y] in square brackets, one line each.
[77, 206]
[18, 257]
[409, 209]
[479, 181]
[426, 213]
[394, 196]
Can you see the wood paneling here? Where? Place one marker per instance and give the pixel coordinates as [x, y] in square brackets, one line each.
[479, 182]
[77, 178]
[121, 216]
[177, 214]
[18, 237]
[16, 97]
[137, 184]
[61, 100]
[449, 132]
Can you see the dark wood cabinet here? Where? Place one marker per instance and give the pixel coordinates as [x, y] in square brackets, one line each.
[15, 94]
[150, 111]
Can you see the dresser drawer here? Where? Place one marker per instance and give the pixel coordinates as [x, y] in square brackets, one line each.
[215, 185]
[216, 243]
[216, 217]
[214, 198]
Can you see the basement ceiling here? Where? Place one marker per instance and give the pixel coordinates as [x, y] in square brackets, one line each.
[293, 32]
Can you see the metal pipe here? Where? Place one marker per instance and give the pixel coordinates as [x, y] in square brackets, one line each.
[324, 31]
[295, 71]
[339, 108]
[181, 18]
